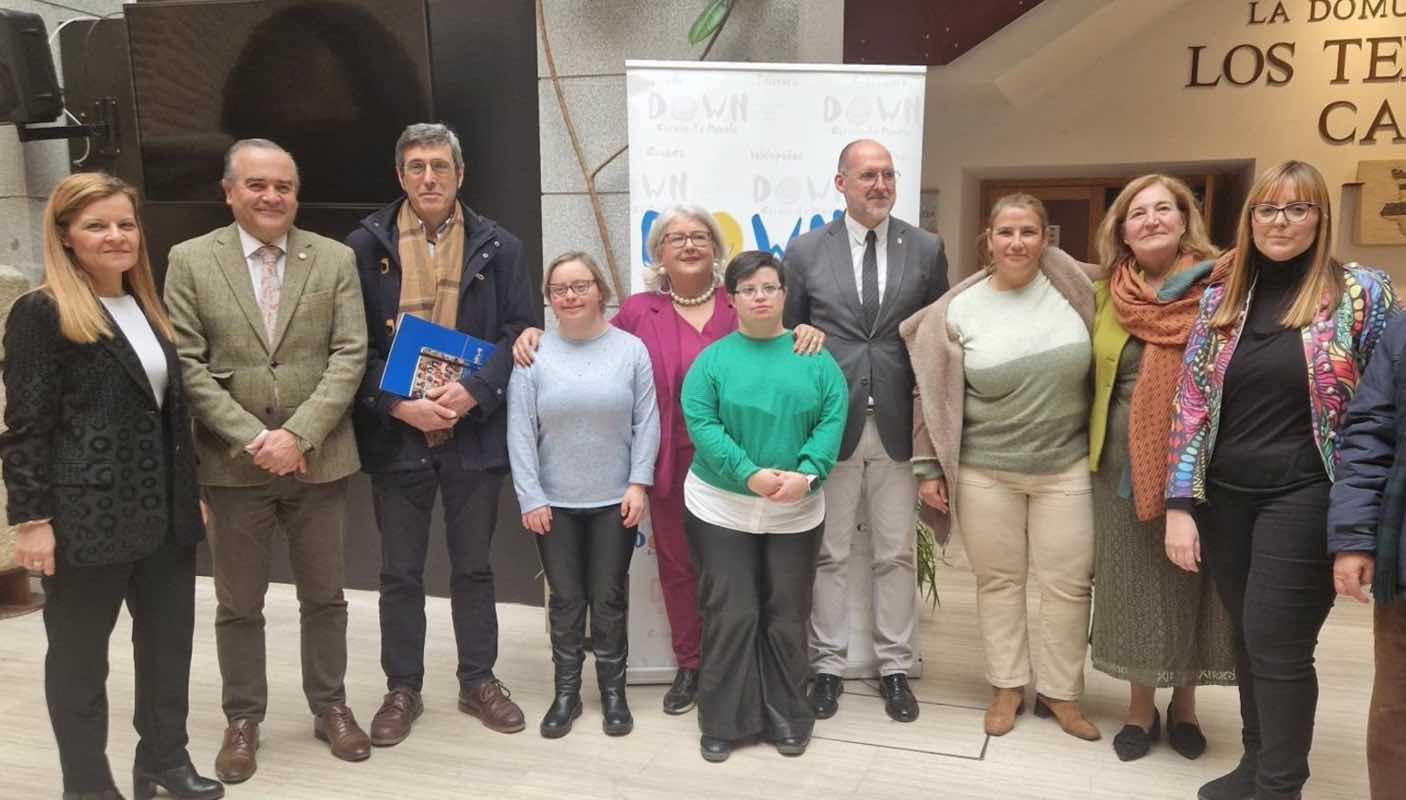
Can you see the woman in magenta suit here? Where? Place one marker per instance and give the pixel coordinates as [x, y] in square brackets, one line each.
[680, 314]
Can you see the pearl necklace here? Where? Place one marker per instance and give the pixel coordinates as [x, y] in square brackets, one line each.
[693, 301]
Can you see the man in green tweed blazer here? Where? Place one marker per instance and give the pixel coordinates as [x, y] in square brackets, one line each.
[272, 342]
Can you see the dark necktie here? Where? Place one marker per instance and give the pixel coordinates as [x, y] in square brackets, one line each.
[870, 280]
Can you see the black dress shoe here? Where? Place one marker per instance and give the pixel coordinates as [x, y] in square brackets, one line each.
[618, 721]
[1184, 737]
[1133, 742]
[182, 783]
[1238, 784]
[556, 723]
[792, 745]
[682, 696]
[825, 693]
[899, 701]
[715, 750]
[102, 794]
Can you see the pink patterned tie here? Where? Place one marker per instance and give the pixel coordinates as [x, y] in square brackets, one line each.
[269, 287]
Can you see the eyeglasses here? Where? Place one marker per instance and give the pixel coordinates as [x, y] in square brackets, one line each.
[578, 288]
[870, 177]
[1267, 213]
[765, 291]
[698, 239]
[441, 169]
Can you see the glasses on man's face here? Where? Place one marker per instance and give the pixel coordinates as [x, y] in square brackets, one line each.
[1294, 213]
[765, 291]
[441, 169]
[578, 288]
[698, 239]
[870, 177]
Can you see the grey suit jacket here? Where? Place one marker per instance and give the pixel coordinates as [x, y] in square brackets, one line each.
[821, 291]
[239, 383]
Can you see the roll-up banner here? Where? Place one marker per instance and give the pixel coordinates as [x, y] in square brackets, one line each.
[757, 146]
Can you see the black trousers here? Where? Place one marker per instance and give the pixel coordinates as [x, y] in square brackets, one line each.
[81, 606]
[754, 594]
[1268, 555]
[404, 502]
[586, 556]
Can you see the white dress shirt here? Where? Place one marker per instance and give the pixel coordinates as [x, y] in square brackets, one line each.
[857, 245]
[135, 326]
[250, 246]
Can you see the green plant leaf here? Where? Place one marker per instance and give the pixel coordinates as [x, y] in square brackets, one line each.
[708, 21]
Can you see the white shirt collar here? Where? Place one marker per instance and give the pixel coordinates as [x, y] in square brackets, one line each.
[857, 232]
[251, 244]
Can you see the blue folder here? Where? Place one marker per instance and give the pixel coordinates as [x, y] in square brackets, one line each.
[414, 337]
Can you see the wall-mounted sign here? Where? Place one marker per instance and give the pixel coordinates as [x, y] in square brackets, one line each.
[1381, 214]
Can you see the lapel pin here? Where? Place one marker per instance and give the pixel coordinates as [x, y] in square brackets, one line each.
[390, 326]
[385, 265]
[302, 256]
[480, 277]
[900, 240]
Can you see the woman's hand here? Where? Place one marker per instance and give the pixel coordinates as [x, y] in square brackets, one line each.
[794, 487]
[1352, 573]
[34, 549]
[764, 482]
[634, 507]
[1183, 540]
[809, 340]
[538, 520]
[525, 348]
[934, 492]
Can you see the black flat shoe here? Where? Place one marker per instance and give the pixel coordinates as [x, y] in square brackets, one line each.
[182, 783]
[1184, 737]
[715, 750]
[617, 718]
[565, 708]
[899, 701]
[1133, 742]
[825, 693]
[683, 694]
[792, 745]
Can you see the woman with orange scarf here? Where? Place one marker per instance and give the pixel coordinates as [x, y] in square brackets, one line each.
[1154, 625]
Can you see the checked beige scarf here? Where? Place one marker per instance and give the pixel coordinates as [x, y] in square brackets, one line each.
[429, 284]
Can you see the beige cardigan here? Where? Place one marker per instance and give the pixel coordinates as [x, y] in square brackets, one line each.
[941, 385]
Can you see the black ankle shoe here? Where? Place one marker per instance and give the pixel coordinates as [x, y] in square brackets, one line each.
[556, 723]
[715, 750]
[102, 794]
[899, 701]
[182, 783]
[792, 745]
[682, 696]
[825, 693]
[617, 719]
[1238, 784]
[1185, 737]
[1133, 742]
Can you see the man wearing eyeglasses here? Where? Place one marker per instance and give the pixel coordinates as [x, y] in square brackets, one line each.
[429, 255]
[856, 279]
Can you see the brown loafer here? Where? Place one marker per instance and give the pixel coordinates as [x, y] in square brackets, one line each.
[1006, 705]
[489, 702]
[235, 762]
[1070, 717]
[337, 727]
[398, 712]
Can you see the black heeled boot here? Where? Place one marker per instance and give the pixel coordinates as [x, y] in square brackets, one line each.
[182, 783]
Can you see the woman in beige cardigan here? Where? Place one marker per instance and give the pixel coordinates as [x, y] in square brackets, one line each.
[1001, 447]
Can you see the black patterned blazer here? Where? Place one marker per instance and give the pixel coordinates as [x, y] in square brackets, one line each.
[87, 446]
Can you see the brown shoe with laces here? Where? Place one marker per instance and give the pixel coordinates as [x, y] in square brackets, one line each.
[235, 762]
[398, 712]
[337, 727]
[1070, 717]
[489, 702]
[1006, 705]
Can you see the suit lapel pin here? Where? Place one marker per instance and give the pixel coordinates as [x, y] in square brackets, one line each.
[479, 276]
[900, 240]
[385, 265]
[302, 256]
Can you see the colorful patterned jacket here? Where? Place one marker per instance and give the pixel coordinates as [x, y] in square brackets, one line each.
[1336, 347]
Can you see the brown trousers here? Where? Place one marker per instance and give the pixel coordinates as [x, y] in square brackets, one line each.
[1386, 747]
[312, 516]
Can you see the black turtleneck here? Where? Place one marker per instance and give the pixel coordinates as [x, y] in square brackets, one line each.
[1265, 440]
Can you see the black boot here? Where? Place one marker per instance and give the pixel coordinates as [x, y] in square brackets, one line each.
[1238, 784]
[616, 712]
[182, 783]
[103, 794]
[566, 707]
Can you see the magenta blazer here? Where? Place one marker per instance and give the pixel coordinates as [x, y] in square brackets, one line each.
[673, 344]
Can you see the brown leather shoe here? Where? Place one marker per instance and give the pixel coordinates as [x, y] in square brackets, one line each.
[489, 702]
[337, 727]
[1006, 705]
[398, 712]
[1070, 717]
[235, 761]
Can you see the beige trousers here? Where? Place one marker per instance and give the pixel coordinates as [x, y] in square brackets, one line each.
[1006, 520]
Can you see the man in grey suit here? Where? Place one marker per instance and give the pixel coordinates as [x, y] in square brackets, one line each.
[856, 279]
[272, 344]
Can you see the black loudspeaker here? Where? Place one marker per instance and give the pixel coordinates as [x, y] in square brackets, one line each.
[29, 89]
